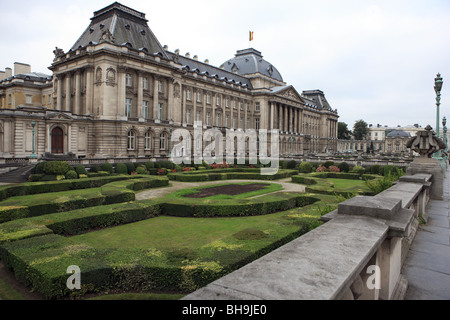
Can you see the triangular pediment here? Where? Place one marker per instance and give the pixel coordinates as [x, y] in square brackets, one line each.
[287, 92]
[59, 116]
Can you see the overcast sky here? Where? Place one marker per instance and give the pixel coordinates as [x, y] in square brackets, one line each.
[374, 60]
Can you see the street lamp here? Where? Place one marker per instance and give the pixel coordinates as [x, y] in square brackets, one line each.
[33, 155]
[437, 88]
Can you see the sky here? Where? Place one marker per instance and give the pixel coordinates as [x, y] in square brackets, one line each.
[374, 60]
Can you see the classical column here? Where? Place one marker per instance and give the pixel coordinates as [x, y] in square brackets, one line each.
[77, 109]
[194, 97]
[295, 120]
[239, 114]
[121, 92]
[271, 106]
[140, 95]
[170, 99]
[286, 124]
[89, 87]
[59, 90]
[155, 97]
[183, 105]
[203, 99]
[68, 92]
[213, 107]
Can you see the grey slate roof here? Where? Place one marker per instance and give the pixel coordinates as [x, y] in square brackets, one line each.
[250, 61]
[127, 26]
[398, 133]
[209, 70]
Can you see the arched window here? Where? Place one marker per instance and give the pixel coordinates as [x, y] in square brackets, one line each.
[162, 141]
[148, 141]
[57, 135]
[131, 140]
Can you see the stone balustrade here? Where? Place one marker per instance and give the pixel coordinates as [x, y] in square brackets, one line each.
[356, 254]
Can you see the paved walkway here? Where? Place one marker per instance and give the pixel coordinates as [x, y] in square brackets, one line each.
[427, 266]
[176, 185]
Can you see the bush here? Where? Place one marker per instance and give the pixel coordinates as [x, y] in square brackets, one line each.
[357, 169]
[291, 164]
[130, 167]
[327, 164]
[149, 165]
[121, 168]
[141, 170]
[107, 167]
[343, 167]
[321, 168]
[334, 169]
[71, 174]
[55, 167]
[39, 168]
[305, 167]
[80, 169]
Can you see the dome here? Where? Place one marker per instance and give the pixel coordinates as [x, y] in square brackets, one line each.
[398, 134]
[250, 61]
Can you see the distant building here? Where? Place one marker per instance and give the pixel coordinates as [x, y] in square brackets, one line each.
[118, 94]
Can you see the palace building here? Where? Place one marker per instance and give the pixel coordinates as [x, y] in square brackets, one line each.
[118, 93]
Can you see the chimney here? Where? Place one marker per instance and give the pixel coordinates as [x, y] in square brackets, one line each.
[177, 51]
[8, 73]
[166, 48]
[207, 61]
[187, 55]
[2, 75]
[195, 57]
[21, 68]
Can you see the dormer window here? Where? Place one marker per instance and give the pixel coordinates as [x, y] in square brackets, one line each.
[127, 26]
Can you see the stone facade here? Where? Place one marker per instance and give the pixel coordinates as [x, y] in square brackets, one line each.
[117, 93]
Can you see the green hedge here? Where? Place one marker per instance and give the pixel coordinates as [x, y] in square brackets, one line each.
[29, 188]
[115, 192]
[270, 203]
[228, 174]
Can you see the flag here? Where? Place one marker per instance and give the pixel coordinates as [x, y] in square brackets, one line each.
[251, 36]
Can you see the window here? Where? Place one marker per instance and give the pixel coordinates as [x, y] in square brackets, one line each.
[145, 83]
[29, 99]
[241, 122]
[162, 141]
[257, 106]
[9, 98]
[188, 116]
[43, 99]
[234, 104]
[128, 80]
[128, 108]
[160, 111]
[199, 96]
[131, 141]
[160, 86]
[218, 100]
[234, 123]
[227, 102]
[208, 118]
[145, 109]
[148, 140]
[198, 116]
[226, 120]
[257, 124]
[218, 119]
[248, 124]
[188, 94]
[208, 98]
[241, 106]
[248, 107]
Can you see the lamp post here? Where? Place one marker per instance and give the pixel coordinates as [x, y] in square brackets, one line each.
[170, 139]
[444, 133]
[437, 88]
[33, 155]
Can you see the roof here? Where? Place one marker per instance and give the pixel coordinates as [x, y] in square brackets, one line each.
[398, 133]
[249, 61]
[32, 76]
[317, 97]
[209, 70]
[126, 27]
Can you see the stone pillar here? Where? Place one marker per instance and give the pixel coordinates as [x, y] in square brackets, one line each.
[77, 109]
[59, 90]
[140, 96]
[271, 106]
[67, 106]
[183, 106]
[286, 119]
[89, 87]
[155, 98]
[389, 262]
[121, 93]
[203, 99]
[170, 100]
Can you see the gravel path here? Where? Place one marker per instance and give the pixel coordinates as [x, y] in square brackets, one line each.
[176, 185]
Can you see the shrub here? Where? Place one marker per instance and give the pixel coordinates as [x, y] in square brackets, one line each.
[55, 167]
[130, 167]
[321, 168]
[39, 168]
[334, 169]
[357, 169]
[121, 168]
[107, 167]
[71, 174]
[35, 177]
[343, 167]
[150, 165]
[305, 167]
[80, 169]
[327, 164]
[291, 164]
[141, 170]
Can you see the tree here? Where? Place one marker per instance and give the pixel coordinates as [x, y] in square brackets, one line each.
[343, 132]
[359, 129]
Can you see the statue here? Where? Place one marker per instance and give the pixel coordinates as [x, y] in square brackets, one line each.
[58, 53]
[107, 37]
[425, 143]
